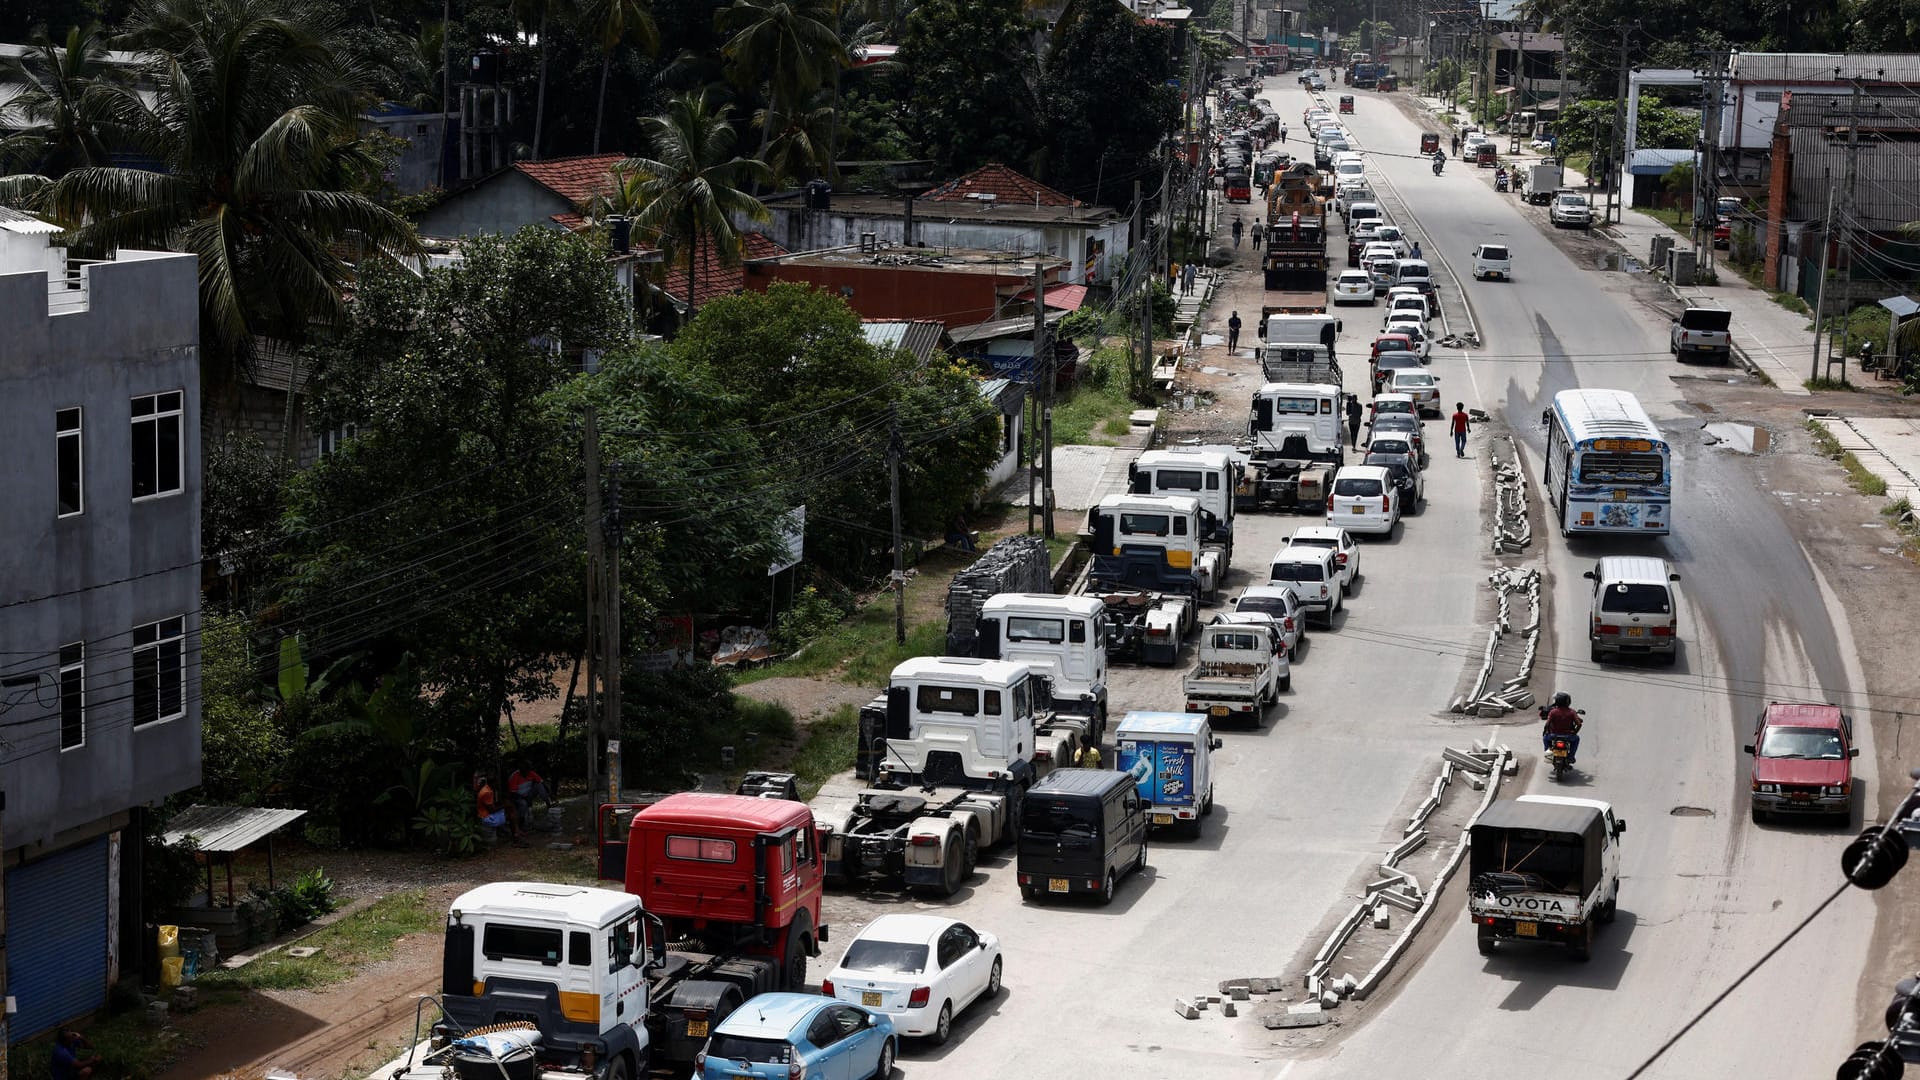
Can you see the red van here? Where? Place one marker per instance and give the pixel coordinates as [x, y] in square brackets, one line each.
[1803, 762]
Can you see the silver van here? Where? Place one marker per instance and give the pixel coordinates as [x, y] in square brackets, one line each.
[1633, 608]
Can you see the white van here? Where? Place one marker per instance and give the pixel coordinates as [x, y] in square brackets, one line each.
[1364, 499]
[1313, 573]
[1170, 756]
[1633, 610]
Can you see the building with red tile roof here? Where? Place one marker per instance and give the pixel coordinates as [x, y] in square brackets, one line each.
[998, 183]
[545, 193]
[714, 279]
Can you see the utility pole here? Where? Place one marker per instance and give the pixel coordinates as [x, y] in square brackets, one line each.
[1042, 347]
[1486, 59]
[1820, 294]
[1146, 321]
[894, 449]
[596, 566]
[1616, 168]
[1846, 230]
[610, 626]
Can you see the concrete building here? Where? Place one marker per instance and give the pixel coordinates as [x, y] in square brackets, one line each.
[993, 208]
[552, 193]
[99, 600]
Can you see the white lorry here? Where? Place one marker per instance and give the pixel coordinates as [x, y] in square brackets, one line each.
[1063, 638]
[1307, 329]
[1154, 542]
[1544, 868]
[1296, 446]
[1170, 757]
[1542, 182]
[1208, 475]
[1242, 668]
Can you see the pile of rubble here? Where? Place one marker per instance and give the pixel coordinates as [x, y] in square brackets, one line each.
[1511, 531]
[1513, 694]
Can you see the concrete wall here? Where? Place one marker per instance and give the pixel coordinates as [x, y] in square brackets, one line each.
[96, 575]
[417, 168]
[500, 204]
[796, 230]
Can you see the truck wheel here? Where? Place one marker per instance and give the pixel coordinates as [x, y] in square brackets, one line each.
[796, 960]
[1206, 808]
[972, 853]
[1030, 894]
[1583, 945]
[1485, 940]
[1286, 685]
[619, 1069]
[1612, 906]
[951, 876]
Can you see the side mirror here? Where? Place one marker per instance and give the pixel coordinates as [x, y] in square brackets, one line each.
[874, 1018]
[1619, 826]
[1854, 752]
[639, 957]
[1673, 577]
[1748, 749]
[1589, 576]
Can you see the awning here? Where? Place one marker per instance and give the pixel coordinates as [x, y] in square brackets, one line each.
[223, 829]
[1060, 297]
[1901, 306]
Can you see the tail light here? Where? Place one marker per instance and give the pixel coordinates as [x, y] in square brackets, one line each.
[1043, 755]
[699, 1063]
[1385, 503]
[1606, 629]
[1289, 622]
[826, 987]
[1329, 502]
[796, 1071]
[1193, 706]
[1559, 744]
[1342, 557]
[920, 996]
[925, 840]
[1663, 631]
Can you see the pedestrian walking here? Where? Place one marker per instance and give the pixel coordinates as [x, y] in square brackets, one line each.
[1233, 332]
[1089, 756]
[1238, 227]
[1256, 236]
[1460, 423]
[1353, 420]
[1416, 250]
[1192, 280]
[1178, 277]
[1456, 144]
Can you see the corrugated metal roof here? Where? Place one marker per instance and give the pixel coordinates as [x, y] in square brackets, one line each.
[921, 337]
[224, 829]
[1819, 67]
[1886, 188]
[1656, 162]
[15, 221]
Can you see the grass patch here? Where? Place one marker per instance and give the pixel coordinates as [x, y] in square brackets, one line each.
[1822, 438]
[1789, 301]
[1092, 409]
[1864, 481]
[861, 649]
[827, 749]
[1672, 217]
[1825, 383]
[129, 1048]
[367, 936]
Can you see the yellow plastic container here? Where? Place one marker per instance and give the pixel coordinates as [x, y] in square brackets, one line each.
[169, 941]
[171, 970]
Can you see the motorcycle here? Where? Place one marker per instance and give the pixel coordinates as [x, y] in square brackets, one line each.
[1559, 748]
[1437, 163]
[1500, 181]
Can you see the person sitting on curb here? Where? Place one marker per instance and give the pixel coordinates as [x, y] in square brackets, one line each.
[67, 1064]
[524, 785]
[487, 807]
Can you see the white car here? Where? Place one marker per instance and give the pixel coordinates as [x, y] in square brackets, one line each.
[1391, 234]
[1406, 323]
[1345, 170]
[1378, 249]
[1570, 210]
[920, 970]
[1353, 287]
[1364, 500]
[1283, 606]
[1314, 577]
[1348, 192]
[1414, 307]
[1492, 261]
[1346, 553]
[1414, 290]
[1422, 386]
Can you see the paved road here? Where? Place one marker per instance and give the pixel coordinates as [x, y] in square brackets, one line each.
[1703, 896]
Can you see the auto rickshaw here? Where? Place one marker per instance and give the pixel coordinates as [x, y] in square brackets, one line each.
[1486, 155]
[1346, 103]
[1429, 142]
[1387, 84]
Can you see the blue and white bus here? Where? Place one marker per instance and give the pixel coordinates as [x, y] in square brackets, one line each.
[1608, 469]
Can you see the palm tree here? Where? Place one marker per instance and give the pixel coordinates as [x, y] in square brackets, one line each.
[688, 191]
[791, 45]
[803, 145]
[53, 127]
[533, 15]
[615, 22]
[249, 108]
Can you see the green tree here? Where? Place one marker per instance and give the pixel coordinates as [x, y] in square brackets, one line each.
[970, 72]
[615, 23]
[1105, 102]
[251, 111]
[688, 192]
[242, 745]
[792, 46]
[56, 129]
[448, 529]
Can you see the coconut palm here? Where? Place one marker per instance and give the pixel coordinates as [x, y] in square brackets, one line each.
[803, 144]
[689, 190]
[614, 23]
[53, 128]
[249, 108]
[792, 46]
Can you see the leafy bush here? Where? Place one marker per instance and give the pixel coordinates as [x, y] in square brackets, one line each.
[810, 616]
[331, 772]
[169, 876]
[448, 825]
[1081, 324]
[307, 898]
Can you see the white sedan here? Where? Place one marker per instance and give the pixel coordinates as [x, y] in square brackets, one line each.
[1345, 552]
[921, 970]
[1353, 287]
[1406, 322]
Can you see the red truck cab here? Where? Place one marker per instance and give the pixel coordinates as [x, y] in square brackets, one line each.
[1803, 762]
[736, 872]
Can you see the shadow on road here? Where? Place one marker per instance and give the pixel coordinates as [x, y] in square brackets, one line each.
[1535, 970]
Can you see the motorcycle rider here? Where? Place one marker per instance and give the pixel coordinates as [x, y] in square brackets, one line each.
[1439, 160]
[1561, 720]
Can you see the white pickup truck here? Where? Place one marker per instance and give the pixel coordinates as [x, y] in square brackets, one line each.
[1243, 668]
[1703, 332]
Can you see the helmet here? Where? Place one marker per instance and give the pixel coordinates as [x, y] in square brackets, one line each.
[1563, 699]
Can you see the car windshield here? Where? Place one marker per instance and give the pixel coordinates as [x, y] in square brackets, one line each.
[1494, 253]
[1070, 821]
[1357, 486]
[1297, 571]
[893, 957]
[1313, 542]
[1809, 744]
[1352, 277]
[1403, 407]
[1411, 330]
[1389, 232]
[1644, 599]
[749, 1049]
[1392, 344]
[1395, 466]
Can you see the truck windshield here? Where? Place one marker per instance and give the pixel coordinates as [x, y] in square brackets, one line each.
[1027, 628]
[895, 957]
[1177, 479]
[1809, 744]
[748, 1049]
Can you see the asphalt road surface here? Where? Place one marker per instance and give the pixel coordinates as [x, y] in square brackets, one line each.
[1308, 801]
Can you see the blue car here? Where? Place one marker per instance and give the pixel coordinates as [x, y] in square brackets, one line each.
[799, 1037]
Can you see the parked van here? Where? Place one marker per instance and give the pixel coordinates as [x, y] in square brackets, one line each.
[1080, 831]
[1633, 608]
[1170, 758]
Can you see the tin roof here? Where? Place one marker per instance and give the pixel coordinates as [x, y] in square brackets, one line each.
[921, 337]
[223, 829]
[1819, 67]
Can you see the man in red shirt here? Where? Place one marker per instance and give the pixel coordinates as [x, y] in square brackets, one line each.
[1460, 422]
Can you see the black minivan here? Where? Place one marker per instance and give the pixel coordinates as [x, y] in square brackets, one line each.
[1080, 830]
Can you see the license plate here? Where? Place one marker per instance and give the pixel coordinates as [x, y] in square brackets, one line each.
[1163, 819]
[1799, 796]
[1056, 884]
[1526, 929]
[1357, 508]
[696, 1029]
[1219, 710]
[870, 998]
[1633, 631]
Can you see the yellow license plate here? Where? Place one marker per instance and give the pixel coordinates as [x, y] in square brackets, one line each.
[1163, 819]
[1633, 631]
[1056, 884]
[870, 998]
[1219, 710]
[1526, 929]
[696, 1029]
[1357, 509]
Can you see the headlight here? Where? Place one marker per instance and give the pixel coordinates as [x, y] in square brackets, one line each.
[1767, 789]
[1838, 789]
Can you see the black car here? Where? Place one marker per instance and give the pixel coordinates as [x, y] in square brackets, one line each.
[1405, 470]
[1081, 830]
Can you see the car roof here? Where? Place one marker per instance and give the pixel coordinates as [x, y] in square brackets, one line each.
[1360, 274]
[1322, 532]
[1410, 373]
[1396, 398]
[905, 926]
[1289, 553]
[1267, 592]
[772, 1016]
[1393, 337]
[1363, 471]
[1633, 570]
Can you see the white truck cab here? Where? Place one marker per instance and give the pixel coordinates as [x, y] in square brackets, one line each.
[952, 720]
[1207, 476]
[1062, 637]
[1312, 411]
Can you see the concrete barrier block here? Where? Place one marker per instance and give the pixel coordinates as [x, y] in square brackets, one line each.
[1227, 1009]
[1200, 1004]
[1308, 1014]
[1479, 783]
[1382, 919]
[1487, 709]
[1329, 999]
[1185, 1010]
[1238, 993]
